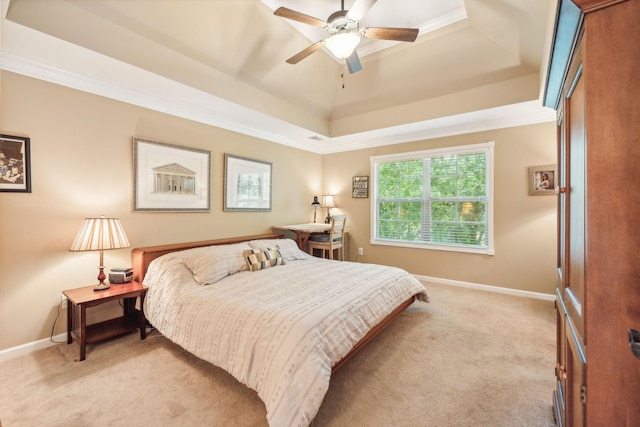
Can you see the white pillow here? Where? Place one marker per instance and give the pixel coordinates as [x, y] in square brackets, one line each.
[288, 248]
[212, 263]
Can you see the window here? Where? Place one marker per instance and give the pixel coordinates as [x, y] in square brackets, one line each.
[436, 199]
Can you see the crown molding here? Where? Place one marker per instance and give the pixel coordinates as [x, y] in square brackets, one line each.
[157, 93]
[145, 89]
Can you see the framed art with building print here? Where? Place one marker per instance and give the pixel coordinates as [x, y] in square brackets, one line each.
[170, 178]
[542, 180]
[15, 164]
[247, 184]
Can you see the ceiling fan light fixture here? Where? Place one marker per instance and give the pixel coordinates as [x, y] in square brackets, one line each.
[342, 45]
[343, 27]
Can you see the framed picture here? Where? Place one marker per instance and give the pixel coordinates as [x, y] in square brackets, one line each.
[247, 184]
[15, 164]
[360, 187]
[542, 180]
[170, 178]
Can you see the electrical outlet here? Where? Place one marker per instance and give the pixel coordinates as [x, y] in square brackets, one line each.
[63, 299]
[360, 251]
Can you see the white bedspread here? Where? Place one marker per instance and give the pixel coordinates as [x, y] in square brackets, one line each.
[279, 330]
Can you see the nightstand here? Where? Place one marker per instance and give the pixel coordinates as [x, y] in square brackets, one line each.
[79, 299]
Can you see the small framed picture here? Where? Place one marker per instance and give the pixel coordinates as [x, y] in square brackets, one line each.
[15, 164]
[247, 184]
[360, 187]
[170, 178]
[542, 180]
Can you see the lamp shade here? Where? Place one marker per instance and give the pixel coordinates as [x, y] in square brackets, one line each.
[327, 201]
[100, 234]
[342, 45]
[315, 202]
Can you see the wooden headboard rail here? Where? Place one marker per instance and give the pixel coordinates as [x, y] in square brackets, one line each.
[142, 257]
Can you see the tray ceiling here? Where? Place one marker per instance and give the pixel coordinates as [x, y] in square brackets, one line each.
[476, 64]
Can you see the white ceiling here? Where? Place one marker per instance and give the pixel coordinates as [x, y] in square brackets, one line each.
[476, 65]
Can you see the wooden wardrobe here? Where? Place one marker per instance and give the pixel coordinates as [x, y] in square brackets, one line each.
[594, 84]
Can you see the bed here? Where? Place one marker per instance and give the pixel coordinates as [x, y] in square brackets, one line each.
[277, 319]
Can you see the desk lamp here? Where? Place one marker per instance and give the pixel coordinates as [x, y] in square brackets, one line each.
[100, 234]
[327, 202]
[315, 205]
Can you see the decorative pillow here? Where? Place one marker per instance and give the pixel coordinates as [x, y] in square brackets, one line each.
[259, 259]
[212, 263]
[288, 248]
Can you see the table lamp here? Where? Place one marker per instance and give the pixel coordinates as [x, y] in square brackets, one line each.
[100, 234]
[315, 205]
[327, 202]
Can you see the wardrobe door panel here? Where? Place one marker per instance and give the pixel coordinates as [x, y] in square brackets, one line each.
[574, 285]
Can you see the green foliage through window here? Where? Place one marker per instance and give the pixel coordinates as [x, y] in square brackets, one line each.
[434, 198]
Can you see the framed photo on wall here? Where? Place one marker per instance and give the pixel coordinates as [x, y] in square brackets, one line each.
[247, 184]
[15, 164]
[170, 178]
[542, 180]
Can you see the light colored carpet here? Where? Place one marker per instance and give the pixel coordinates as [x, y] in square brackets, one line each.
[468, 358]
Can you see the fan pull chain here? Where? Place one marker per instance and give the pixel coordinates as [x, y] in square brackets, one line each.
[342, 75]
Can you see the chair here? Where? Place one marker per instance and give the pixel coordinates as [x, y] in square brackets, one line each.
[333, 240]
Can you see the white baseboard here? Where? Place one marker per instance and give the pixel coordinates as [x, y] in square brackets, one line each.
[488, 288]
[30, 347]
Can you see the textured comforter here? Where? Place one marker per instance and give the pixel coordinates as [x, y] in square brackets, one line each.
[278, 330]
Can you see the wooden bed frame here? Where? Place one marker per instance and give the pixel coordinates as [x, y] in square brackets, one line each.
[142, 257]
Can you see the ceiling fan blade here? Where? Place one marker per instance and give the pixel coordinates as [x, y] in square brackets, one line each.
[306, 52]
[300, 17]
[353, 63]
[398, 34]
[360, 8]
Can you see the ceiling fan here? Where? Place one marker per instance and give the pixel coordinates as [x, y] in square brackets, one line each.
[345, 33]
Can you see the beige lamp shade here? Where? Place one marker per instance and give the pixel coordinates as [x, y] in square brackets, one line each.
[100, 234]
[327, 201]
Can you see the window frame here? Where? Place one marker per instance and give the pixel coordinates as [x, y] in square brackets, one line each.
[486, 147]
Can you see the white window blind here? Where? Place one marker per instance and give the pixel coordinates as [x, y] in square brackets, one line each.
[435, 199]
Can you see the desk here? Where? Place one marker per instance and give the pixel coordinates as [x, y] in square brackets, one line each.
[303, 231]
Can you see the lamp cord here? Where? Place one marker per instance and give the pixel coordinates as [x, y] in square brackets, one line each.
[53, 327]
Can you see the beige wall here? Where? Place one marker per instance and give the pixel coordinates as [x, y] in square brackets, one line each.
[81, 161]
[81, 147]
[525, 226]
